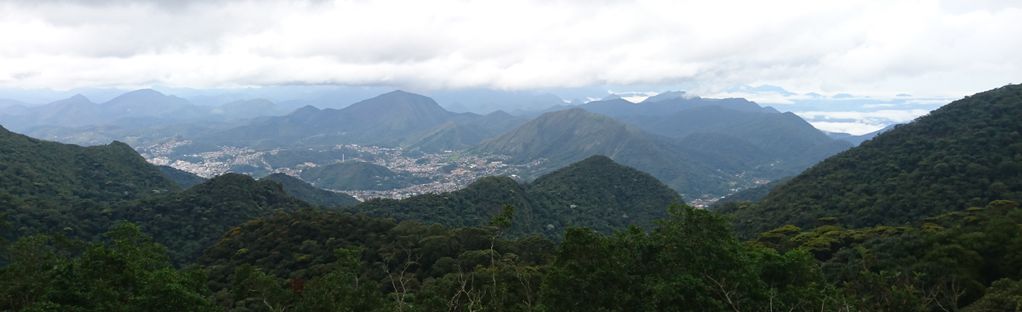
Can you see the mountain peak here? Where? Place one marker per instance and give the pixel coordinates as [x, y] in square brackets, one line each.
[144, 97]
[597, 160]
[401, 94]
[143, 93]
[668, 95]
[307, 109]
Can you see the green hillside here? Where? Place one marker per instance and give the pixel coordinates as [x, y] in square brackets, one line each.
[47, 185]
[356, 175]
[183, 179]
[966, 153]
[595, 193]
[310, 194]
[564, 137]
[190, 221]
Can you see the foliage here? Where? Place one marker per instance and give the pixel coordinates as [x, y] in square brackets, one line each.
[357, 175]
[46, 185]
[966, 153]
[127, 272]
[689, 262]
[945, 262]
[183, 179]
[310, 194]
[595, 193]
[192, 220]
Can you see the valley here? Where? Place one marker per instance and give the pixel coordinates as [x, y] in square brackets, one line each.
[436, 172]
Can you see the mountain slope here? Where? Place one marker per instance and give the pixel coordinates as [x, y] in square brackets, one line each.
[389, 119]
[51, 185]
[465, 132]
[784, 140]
[183, 179]
[601, 194]
[595, 192]
[968, 152]
[310, 194]
[190, 221]
[356, 175]
[560, 138]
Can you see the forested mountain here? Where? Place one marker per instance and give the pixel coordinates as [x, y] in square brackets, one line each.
[773, 144]
[595, 193]
[389, 119]
[357, 175]
[560, 138]
[311, 194]
[183, 179]
[466, 133]
[188, 222]
[46, 185]
[966, 153]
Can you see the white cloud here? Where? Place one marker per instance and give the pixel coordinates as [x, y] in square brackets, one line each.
[926, 48]
[859, 122]
[850, 127]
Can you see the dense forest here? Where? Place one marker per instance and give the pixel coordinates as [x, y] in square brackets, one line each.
[310, 194]
[595, 192]
[690, 261]
[966, 153]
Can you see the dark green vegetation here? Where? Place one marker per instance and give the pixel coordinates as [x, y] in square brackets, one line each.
[183, 179]
[127, 271]
[46, 185]
[689, 261]
[189, 221]
[967, 258]
[966, 153]
[357, 175]
[310, 194]
[595, 193]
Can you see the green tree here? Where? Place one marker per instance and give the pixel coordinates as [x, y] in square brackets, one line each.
[344, 288]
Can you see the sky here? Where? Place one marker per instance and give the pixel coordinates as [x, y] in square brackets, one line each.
[875, 50]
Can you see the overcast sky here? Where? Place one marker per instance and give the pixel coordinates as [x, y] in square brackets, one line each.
[928, 48]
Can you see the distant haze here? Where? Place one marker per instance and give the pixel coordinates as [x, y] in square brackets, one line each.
[895, 57]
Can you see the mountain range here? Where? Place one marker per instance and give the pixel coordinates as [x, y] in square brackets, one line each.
[700, 147]
[391, 119]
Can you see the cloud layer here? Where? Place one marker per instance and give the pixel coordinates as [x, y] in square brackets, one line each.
[926, 48]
